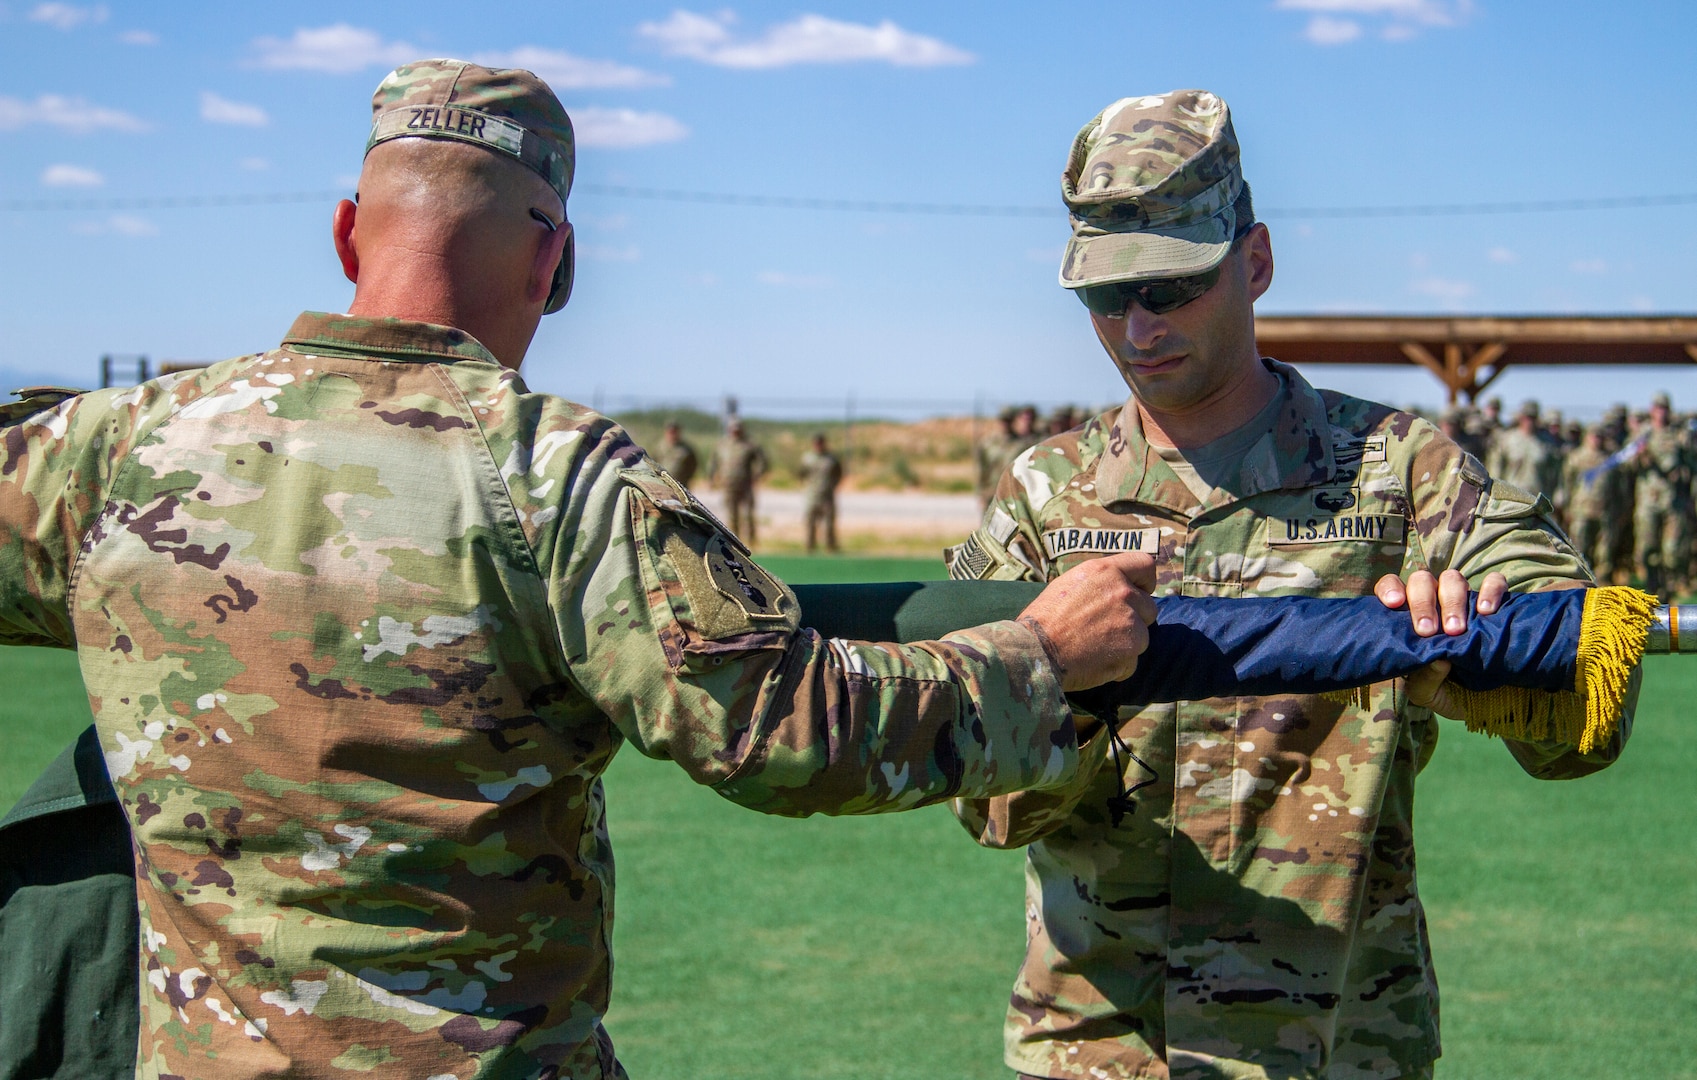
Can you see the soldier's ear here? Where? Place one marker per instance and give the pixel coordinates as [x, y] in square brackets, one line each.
[342, 234]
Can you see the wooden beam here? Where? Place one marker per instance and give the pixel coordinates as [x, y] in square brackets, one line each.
[1417, 353]
[1484, 356]
[1691, 350]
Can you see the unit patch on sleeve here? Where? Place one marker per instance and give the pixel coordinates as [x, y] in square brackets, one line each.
[742, 581]
[1060, 542]
[1336, 529]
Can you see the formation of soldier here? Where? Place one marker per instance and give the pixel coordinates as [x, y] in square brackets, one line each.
[1622, 487]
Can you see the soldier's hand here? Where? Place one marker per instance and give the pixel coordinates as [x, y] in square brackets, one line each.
[1435, 602]
[1096, 617]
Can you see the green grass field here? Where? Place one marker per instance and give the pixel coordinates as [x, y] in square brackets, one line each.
[1564, 915]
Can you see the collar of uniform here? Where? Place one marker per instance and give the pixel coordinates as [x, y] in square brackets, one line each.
[386, 339]
[1296, 453]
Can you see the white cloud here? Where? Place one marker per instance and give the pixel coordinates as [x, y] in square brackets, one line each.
[1335, 22]
[349, 181]
[68, 114]
[1425, 12]
[1445, 289]
[254, 164]
[808, 39]
[1502, 255]
[793, 281]
[1588, 266]
[564, 71]
[220, 110]
[337, 49]
[118, 225]
[1325, 30]
[67, 16]
[139, 37]
[622, 129]
[71, 176]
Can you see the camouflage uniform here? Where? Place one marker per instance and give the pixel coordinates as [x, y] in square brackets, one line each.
[1525, 460]
[1256, 914]
[1594, 506]
[821, 472]
[1661, 507]
[679, 460]
[738, 464]
[362, 622]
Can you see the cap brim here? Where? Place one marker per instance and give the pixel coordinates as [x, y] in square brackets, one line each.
[1096, 257]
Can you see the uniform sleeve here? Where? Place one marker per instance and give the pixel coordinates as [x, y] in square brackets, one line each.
[51, 479]
[1007, 546]
[1477, 525]
[695, 654]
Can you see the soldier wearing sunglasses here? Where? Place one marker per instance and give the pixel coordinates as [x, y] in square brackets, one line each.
[1228, 887]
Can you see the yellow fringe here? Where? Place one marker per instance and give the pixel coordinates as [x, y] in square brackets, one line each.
[1360, 696]
[1612, 634]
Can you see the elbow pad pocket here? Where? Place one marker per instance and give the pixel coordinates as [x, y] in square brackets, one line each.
[709, 599]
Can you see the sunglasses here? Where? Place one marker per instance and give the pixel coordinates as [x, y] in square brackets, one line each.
[1156, 297]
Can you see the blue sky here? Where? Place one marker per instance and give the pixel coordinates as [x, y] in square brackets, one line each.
[1337, 103]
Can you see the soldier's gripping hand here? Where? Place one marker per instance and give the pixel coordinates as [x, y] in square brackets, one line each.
[1435, 602]
[1095, 619]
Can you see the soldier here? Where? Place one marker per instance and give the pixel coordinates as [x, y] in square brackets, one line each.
[737, 466]
[990, 456]
[363, 621]
[1254, 914]
[1063, 419]
[1522, 456]
[1019, 432]
[1591, 499]
[821, 472]
[1661, 501]
[676, 455]
[1453, 423]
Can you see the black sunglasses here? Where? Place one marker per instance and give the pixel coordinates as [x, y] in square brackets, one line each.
[1156, 297]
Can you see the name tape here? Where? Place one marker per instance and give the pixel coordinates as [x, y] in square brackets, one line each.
[1072, 541]
[1337, 528]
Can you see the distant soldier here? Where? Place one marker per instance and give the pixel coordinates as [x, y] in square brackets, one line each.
[1592, 498]
[737, 466]
[1025, 433]
[1454, 424]
[676, 455]
[1523, 457]
[990, 454]
[1062, 420]
[821, 472]
[1019, 433]
[1662, 502]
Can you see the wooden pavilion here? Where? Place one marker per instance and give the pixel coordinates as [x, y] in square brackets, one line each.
[1467, 353]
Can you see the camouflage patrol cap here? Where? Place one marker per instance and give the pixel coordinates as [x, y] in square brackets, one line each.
[507, 110]
[1150, 186]
[1529, 409]
[1661, 400]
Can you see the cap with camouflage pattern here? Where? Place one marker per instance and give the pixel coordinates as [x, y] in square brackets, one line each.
[507, 110]
[1150, 186]
[1661, 401]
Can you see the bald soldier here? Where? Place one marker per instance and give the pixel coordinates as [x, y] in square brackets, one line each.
[363, 621]
[1227, 890]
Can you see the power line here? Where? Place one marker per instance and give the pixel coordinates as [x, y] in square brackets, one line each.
[873, 206]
